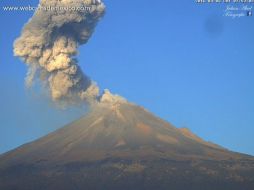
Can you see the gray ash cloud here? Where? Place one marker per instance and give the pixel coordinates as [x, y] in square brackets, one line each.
[49, 44]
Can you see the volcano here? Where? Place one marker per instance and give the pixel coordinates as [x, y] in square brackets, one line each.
[121, 146]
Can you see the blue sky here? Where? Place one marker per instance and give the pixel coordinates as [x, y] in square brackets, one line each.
[186, 63]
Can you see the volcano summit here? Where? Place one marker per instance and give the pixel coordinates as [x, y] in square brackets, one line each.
[119, 145]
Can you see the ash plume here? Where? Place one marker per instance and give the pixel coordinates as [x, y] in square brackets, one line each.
[49, 43]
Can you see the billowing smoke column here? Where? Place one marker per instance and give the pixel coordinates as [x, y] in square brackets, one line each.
[48, 45]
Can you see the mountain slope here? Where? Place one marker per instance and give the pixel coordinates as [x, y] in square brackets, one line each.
[124, 146]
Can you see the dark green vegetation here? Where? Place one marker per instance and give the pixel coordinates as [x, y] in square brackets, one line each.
[125, 175]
